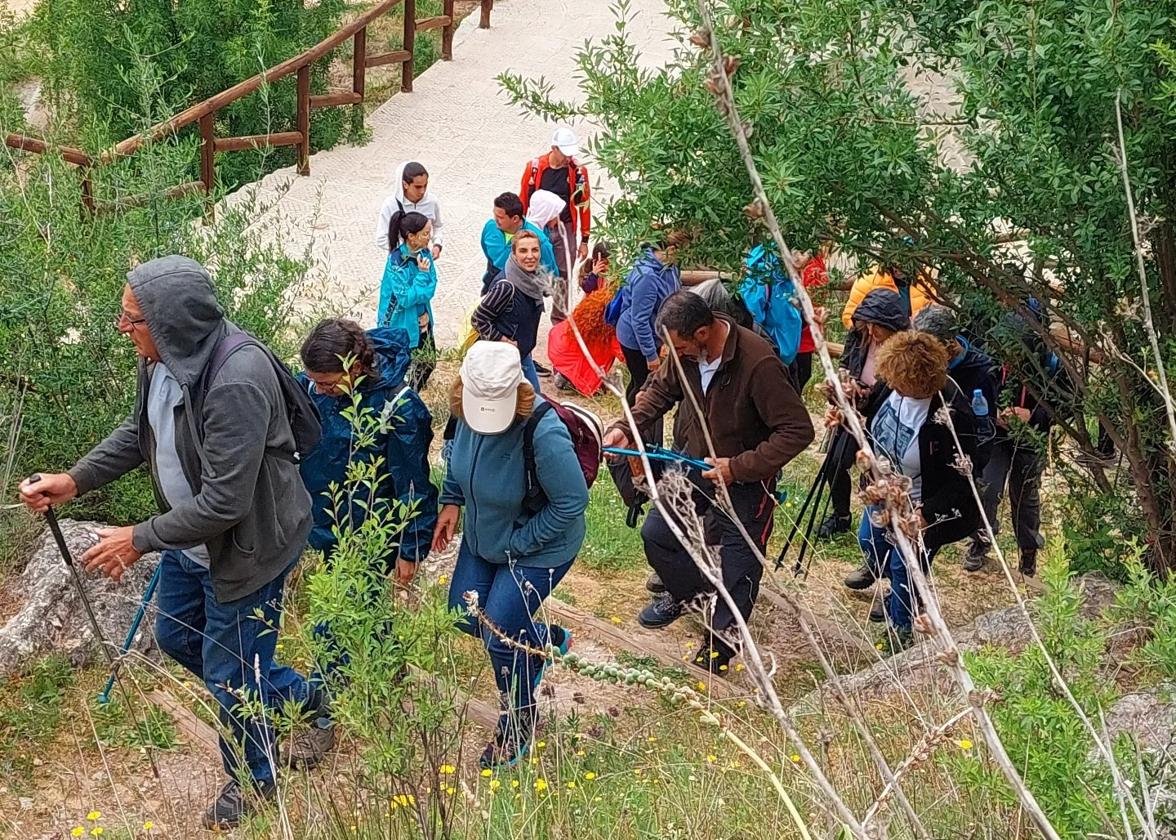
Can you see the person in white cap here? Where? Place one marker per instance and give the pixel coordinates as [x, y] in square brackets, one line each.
[516, 545]
[559, 172]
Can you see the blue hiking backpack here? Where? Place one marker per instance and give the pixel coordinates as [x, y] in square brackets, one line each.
[767, 292]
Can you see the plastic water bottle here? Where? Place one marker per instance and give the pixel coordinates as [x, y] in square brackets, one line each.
[984, 427]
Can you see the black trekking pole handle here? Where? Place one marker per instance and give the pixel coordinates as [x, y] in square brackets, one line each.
[67, 556]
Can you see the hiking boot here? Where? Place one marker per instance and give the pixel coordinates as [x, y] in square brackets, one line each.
[654, 584]
[510, 745]
[713, 658]
[234, 804]
[540, 369]
[878, 610]
[1029, 562]
[896, 640]
[862, 578]
[310, 744]
[662, 611]
[977, 557]
[835, 524]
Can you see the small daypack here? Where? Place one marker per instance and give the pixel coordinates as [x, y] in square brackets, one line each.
[300, 408]
[587, 439]
[614, 309]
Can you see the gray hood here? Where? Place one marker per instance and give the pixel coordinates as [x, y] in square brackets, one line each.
[179, 302]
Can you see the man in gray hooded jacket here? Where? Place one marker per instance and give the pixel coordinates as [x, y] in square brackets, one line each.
[235, 514]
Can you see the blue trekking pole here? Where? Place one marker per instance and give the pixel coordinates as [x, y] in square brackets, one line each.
[104, 697]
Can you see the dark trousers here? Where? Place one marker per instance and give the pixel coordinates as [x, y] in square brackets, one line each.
[1020, 468]
[509, 595]
[843, 452]
[638, 373]
[741, 568]
[801, 370]
[225, 645]
[424, 360]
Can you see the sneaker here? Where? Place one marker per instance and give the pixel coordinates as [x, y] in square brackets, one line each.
[662, 611]
[1029, 562]
[310, 744]
[977, 557]
[862, 578]
[654, 584]
[835, 524]
[508, 748]
[541, 370]
[233, 804]
[878, 610]
[713, 658]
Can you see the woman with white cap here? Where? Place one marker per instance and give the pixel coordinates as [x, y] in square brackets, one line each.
[515, 546]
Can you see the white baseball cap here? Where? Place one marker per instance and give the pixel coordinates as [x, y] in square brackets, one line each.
[566, 141]
[490, 377]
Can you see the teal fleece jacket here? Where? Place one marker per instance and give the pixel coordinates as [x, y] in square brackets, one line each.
[485, 476]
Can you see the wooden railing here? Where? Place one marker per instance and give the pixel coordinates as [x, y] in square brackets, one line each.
[205, 112]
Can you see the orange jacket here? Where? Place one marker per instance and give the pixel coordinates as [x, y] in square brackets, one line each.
[922, 292]
[578, 189]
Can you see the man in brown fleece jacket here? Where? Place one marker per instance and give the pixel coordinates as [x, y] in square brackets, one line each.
[758, 424]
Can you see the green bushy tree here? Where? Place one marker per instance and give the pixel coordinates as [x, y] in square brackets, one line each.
[975, 137]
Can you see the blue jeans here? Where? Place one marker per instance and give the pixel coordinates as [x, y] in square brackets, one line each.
[508, 595]
[529, 372]
[884, 558]
[220, 643]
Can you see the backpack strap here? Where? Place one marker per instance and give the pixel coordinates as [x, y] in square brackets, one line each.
[531, 477]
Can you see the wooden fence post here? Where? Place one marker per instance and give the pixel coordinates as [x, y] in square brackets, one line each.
[359, 63]
[87, 191]
[303, 125]
[409, 45]
[487, 5]
[447, 32]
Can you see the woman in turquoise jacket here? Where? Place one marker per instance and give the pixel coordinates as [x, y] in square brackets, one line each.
[406, 292]
[514, 548]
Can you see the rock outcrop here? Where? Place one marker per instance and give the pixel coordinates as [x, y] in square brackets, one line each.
[50, 617]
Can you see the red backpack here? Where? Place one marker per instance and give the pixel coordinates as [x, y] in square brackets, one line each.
[587, 439]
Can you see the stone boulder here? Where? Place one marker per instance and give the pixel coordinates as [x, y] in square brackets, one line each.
[50, 616]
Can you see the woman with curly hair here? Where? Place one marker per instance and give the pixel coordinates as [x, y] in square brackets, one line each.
[515, 546]
[908, 428]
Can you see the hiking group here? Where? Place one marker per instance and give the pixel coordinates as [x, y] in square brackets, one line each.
[243, 456]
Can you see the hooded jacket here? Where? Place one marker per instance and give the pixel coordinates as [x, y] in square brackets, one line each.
[919, 294]
[882, 307]
[751, 407]
[249, 507]
[428, 206]
[406, 292]
[486, 476]
[403, 444]
[649, 283]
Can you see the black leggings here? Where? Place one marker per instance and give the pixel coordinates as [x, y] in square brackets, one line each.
[654, 433]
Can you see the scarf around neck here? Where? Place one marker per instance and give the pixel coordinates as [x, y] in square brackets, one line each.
[533, 284]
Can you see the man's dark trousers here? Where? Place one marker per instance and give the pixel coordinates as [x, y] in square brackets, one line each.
[742, 570]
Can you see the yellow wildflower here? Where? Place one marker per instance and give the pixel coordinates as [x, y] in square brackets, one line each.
[540, 785]
[589, 775]
[443, 579]
[447, 769]
[94, 816]
[147, 826]
[495, 784]
[514, 783]
[701, 686]
[738, 666]
[541, 744]
[571, 785]
[97, 831]
[711, 758]
[795, 758]
[965, 744]
[451, 790]
[77, 831]
[651, 738]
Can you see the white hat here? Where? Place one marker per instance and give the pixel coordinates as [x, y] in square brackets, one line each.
[490, 377]
[566, 141]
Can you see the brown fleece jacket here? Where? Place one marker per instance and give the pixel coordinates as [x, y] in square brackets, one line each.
[754, 414]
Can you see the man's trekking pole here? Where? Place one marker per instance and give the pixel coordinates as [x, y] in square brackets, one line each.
[104, 697]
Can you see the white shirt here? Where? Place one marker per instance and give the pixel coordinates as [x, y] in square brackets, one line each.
[706, 371]
[895, 431]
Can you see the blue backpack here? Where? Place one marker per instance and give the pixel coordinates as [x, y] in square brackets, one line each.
[615, 308]
[767, 292]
